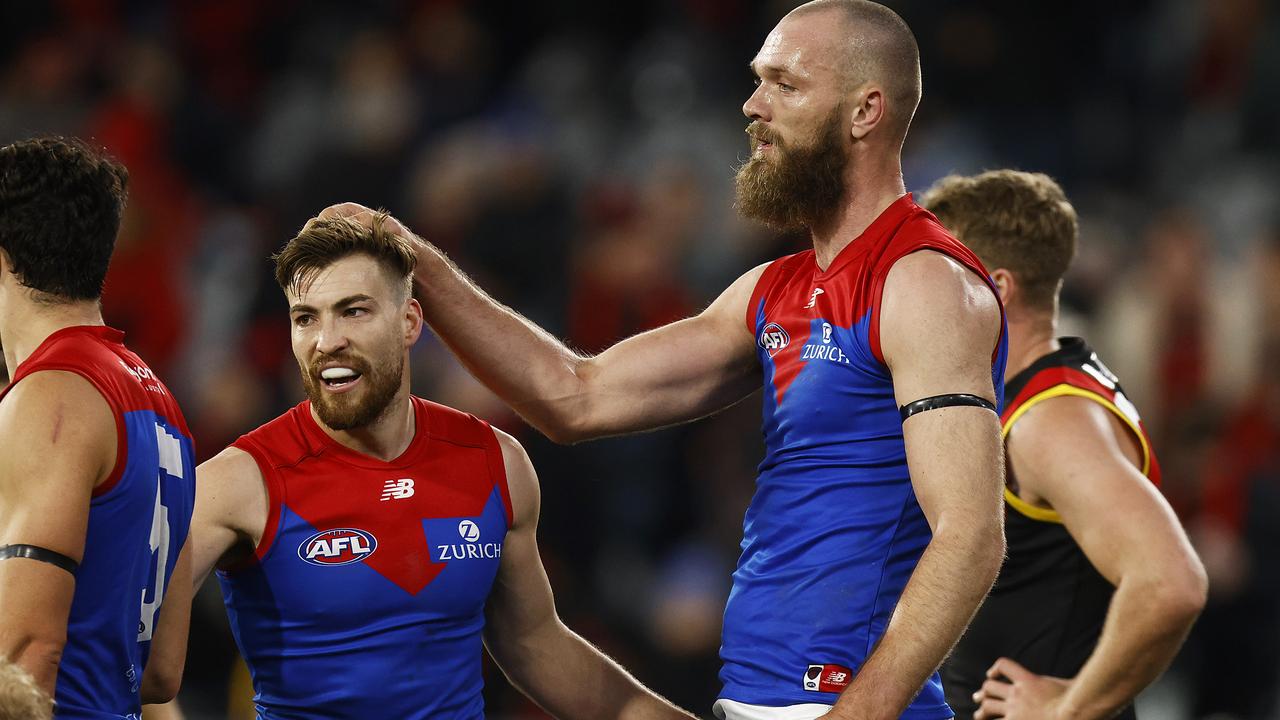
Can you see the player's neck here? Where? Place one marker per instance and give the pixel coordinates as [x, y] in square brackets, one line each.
[867, 195]
[387, 437]
[26, 323]
[1031, 337]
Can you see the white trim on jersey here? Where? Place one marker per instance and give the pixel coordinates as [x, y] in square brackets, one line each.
[733, 710]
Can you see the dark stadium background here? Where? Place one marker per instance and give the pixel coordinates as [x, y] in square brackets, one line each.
[576, 157]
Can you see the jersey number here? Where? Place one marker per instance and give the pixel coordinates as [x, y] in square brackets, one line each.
[170, 450]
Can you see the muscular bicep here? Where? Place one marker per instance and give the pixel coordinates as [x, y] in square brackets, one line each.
[57, 442]
[939, 325]
[678, 372]
[1071, 452]
[230, 512]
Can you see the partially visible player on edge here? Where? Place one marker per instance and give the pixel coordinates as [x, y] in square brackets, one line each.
[1101, 585]
[880, 348]
[20, 698]
[367, 540]
[96, 462]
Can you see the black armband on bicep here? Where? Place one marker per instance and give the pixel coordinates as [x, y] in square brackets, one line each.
[44, 555]
[941, 401]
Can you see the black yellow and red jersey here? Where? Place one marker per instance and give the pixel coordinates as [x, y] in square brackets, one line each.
[1048, 606]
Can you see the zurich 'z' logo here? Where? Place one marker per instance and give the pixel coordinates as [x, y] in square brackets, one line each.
[340, 546]
[469, 530]
[773, 338]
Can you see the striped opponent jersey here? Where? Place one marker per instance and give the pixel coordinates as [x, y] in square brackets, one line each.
[1048, 605]
[365, 596]
[138, 522]
[834, 531]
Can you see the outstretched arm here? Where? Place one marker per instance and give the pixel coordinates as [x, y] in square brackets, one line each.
[673, 374]
[57, 442]
[547, 661]
[1080, 458]
[938, 325]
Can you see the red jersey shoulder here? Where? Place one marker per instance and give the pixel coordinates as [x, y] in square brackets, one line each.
[98, 354]
[922, 231]
[453, 426]
[446, 424]
[776, 277]
[281, 442]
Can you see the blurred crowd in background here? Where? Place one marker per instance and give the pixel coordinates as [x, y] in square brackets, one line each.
[576, 158]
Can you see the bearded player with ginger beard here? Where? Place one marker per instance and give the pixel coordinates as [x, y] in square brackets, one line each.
[876, 527]
[368, 541]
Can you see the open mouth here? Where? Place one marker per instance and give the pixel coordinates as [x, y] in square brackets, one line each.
[338, 379]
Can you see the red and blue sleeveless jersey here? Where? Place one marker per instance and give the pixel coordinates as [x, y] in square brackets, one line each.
[834, 531]
[138, 522]
[365, 596]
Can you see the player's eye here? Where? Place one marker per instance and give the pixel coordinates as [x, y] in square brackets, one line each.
[355, 311]
[303, 320]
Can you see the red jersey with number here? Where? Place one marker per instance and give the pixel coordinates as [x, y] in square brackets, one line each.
[138, 523]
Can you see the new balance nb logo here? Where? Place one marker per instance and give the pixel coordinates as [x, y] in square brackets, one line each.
[397, 489]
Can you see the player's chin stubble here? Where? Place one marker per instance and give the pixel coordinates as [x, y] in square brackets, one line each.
[349, 411]
[802, 186]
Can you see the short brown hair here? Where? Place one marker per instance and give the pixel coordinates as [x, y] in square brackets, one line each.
[324, 241]
[1015, 220]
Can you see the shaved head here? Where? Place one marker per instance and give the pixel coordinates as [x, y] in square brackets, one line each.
[880, 49]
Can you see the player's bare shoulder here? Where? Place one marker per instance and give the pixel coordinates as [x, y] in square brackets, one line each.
[56, 417]
[930, 297]
[232, 493]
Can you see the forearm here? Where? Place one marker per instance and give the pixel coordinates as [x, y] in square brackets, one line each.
[949, 583]
[532, 371]
[571, 679]
[1146, 624]
[40, 658]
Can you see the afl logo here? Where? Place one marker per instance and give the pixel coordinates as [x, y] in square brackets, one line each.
[469, 531]
[340, 546]
[773, 338]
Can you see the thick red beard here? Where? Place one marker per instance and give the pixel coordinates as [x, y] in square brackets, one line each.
[799, 187]
[361, 407]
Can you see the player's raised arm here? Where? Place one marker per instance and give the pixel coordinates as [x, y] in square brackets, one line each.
[669, 375]
[937, 347]
[556, 668]
[57, 441]
[1071, 451]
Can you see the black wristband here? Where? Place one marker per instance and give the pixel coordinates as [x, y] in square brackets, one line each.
[35, 552]
[941, 401]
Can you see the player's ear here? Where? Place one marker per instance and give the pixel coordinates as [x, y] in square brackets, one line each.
[6, 268]
[412, 322]
[866, 110]
[1006, 285]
